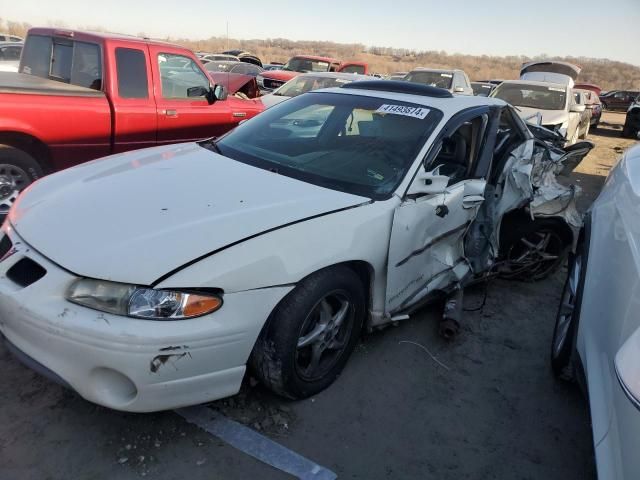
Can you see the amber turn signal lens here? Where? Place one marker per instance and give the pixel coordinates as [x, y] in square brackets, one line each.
[197, 305]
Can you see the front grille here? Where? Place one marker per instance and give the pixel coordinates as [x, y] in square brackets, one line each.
[272, 84]
[25, 272]
[5, 245]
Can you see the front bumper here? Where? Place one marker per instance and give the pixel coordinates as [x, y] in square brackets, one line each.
[125, 363]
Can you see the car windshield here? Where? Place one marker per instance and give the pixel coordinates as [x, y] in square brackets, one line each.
[355, 144]
[302, 64]
[481, 89]
[217, 66]
[541, 97]
[303, 84]
[434, 79]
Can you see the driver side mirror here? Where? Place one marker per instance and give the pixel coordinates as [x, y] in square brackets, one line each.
[578, 108]
[200, 91]
[428, 183]
[220, 92]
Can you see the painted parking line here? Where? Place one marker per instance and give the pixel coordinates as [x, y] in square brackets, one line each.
[253, 443]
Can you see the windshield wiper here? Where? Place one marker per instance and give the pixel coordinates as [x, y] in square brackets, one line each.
[210, 144]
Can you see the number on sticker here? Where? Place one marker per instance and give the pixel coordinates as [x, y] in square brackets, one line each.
[415, 112]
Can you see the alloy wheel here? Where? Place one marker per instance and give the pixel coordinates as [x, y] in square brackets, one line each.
[324, 335]
[567, 306]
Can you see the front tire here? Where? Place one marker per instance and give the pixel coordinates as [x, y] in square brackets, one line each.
[568, 318]
[309, 336]
[18, 170]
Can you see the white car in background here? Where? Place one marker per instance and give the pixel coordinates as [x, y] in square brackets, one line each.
[551, 105]
[278, 244]
[544, 96]
[597, 335]
[308, 82]
[7, 37]
[454, 80]
[10, 56]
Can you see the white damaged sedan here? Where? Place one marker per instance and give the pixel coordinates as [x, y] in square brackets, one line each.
[149, 280]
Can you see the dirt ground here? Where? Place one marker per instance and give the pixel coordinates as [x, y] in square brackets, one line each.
[489, 407]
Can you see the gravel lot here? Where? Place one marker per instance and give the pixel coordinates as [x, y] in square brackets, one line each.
[488, 408]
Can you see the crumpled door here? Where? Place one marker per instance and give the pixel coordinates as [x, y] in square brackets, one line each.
[426, 246]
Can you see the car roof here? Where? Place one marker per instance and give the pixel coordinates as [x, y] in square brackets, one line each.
[428, 69]
[534, 82]
[98, 37]
[346, 76]
[448, 105]
[320, 59]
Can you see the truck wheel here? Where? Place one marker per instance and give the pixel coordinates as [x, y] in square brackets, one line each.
[310, 334]
[18, 170]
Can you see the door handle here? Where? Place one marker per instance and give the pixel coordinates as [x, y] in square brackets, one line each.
[239, 114]
[171, 113]
[470, 201]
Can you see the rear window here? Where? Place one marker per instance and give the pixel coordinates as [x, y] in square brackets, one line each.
[131, 68]
[359, 69]
[434, 79]
[64, 60]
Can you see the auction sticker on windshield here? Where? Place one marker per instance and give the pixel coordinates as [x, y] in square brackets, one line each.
[415, 112]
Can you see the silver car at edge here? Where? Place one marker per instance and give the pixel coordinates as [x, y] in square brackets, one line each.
[596, 340]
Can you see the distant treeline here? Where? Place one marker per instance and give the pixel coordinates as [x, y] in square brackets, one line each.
[609, 74]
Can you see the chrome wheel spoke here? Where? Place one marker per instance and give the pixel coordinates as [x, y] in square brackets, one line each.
[340, 315]
[316, 355]
[336, 344]
[313, 336]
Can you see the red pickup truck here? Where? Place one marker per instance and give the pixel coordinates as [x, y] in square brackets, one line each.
[269, 80]
[80, 96]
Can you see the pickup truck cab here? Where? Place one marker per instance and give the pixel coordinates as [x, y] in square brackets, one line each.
[80, 96]
[272, 79]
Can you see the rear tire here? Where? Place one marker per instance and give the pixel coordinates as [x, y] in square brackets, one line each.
[310, 334]
[563, 345]
[532, 250]
[18, 170]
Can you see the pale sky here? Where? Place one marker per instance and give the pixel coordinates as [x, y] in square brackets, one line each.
[592, 28]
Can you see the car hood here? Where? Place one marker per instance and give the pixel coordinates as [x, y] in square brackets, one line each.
[283, 75]
[136, 216]
[549, 117]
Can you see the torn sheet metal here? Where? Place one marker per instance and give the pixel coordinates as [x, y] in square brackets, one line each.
[426, 242]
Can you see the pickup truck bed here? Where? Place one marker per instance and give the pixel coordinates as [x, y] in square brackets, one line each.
[20, 83]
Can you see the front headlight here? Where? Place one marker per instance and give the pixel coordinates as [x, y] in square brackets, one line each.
[139, 302]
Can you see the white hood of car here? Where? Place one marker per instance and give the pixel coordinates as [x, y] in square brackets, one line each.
[136, 216]
[549, 117]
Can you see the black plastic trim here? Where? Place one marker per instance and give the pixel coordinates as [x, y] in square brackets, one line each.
[399, 86]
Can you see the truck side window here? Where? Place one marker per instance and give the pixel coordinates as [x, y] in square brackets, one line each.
[131, 66]
[86, 69]
[179, 73]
